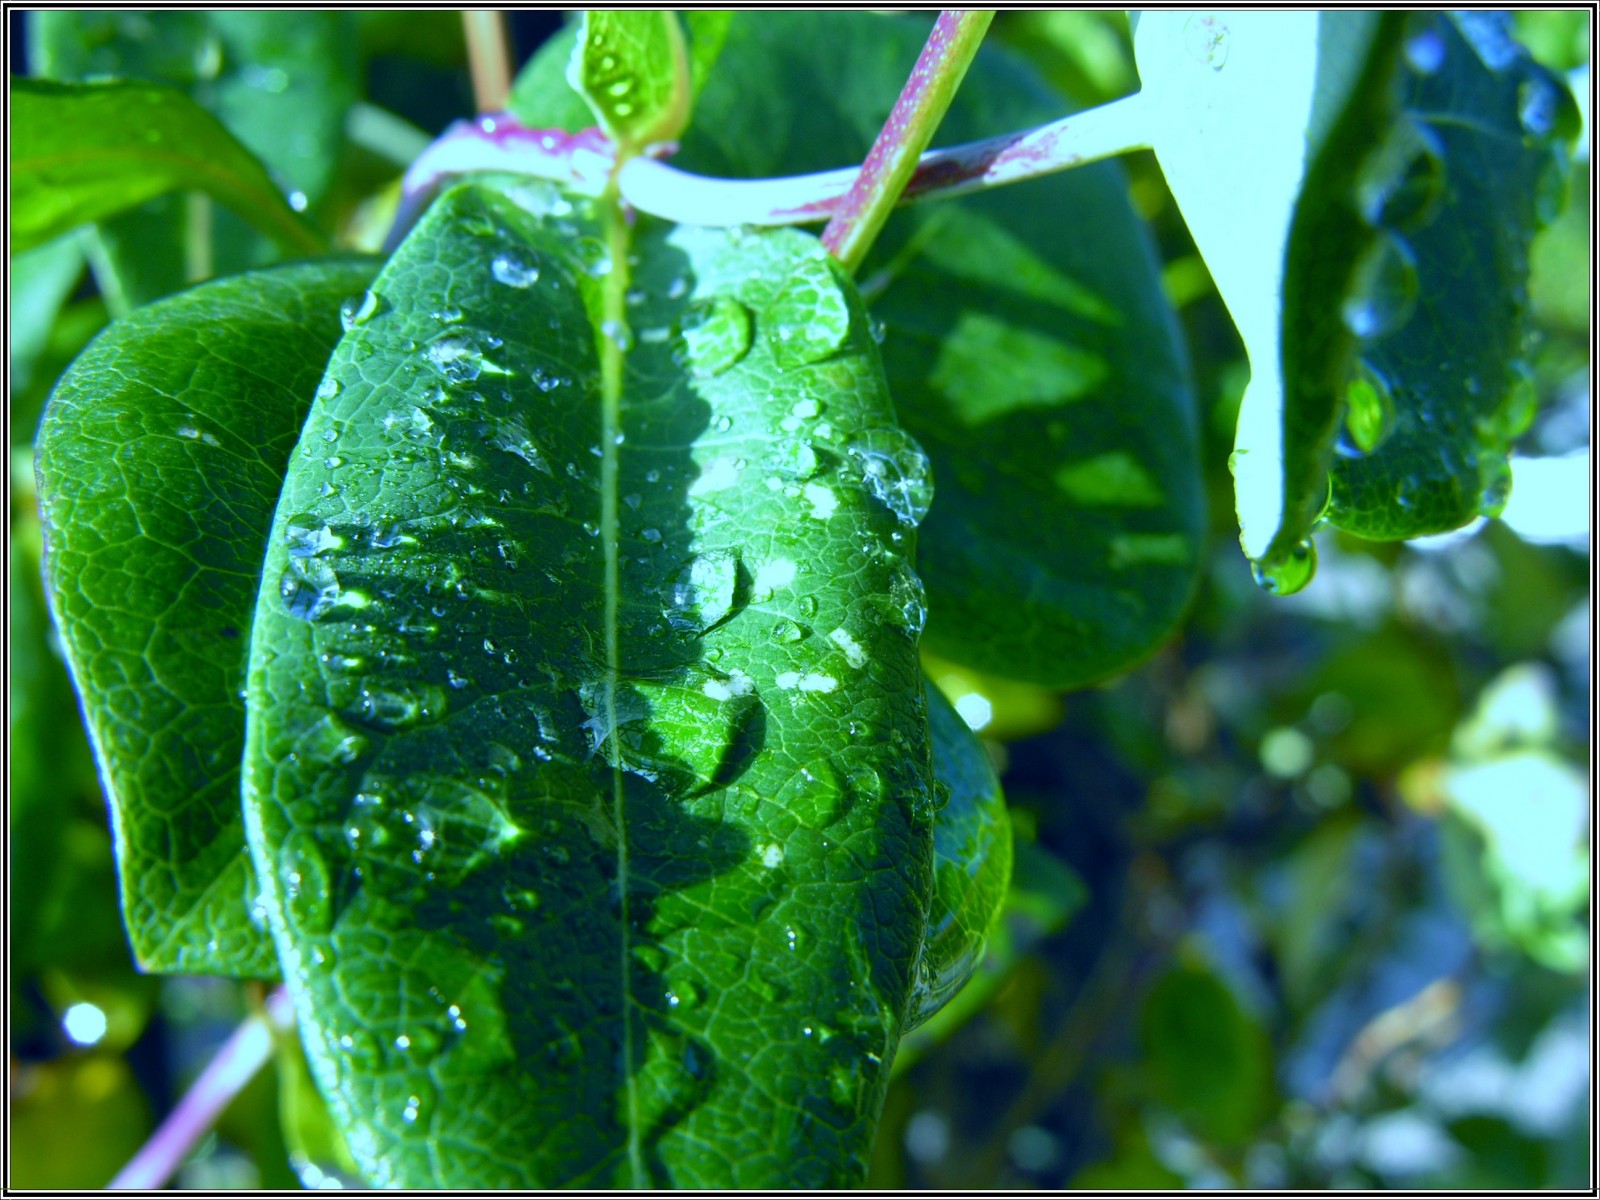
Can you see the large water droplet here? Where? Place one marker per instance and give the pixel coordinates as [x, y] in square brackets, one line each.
[1425, 51]
[303, 874]
[895, 471]
[809, 319]
[1402, 182]
[705, 591]
[309, 588]
[716, 334]
[460, 358]
[358, 310]
[1383, 291]
[513, 271]
[1521, 402]
[1495, 472]
[308, 535]
[1283, 575]
[400, 706]
[906, 605]
[1369, 413]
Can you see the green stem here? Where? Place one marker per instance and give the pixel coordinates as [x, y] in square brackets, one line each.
[906, 134]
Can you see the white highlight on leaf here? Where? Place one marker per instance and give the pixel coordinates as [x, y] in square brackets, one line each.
[812, 682]
[854, 653]
[823, 501]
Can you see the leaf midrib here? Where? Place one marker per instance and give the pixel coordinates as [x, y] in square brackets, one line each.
[612, 321]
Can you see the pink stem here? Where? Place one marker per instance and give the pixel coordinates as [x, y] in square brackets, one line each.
[225, 1076]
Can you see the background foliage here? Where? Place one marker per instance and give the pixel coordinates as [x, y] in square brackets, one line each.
[1301, 902]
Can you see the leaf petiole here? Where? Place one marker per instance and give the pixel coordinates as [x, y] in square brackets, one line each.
[245, 1052]
[911, 125]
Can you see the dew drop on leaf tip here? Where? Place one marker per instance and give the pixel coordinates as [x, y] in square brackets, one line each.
[1285, 575]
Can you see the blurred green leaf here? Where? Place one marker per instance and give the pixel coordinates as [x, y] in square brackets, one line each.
[1205, 1058]
[81, 152]
[73, 1123]
[41, 281]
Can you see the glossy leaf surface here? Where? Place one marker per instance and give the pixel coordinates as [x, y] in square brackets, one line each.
[1029, 354]
[632, 68]
[587, 767]
[971, 861]
[159, 460]
[1291, 102]
[81, 152]
[1476, 164]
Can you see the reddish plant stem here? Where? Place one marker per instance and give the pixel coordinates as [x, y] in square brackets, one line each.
[245, 1052]
[489, 56]
[911, 125]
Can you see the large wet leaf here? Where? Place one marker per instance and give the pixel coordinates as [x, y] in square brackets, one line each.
[587, 767]
[1377, 265]
[1475, 166]
[81, 152]
[1289, 103]
[159, 461]
[971, 860]
[1027, 343]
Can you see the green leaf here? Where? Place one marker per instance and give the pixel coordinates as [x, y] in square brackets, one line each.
[1031, 356]
[280, 82]
[81, 152]
[632, 68]
[586, 767]
[1290, 103]
[159, 458]
[971, 861]
[1477, 164]
[1205, 1058]
[41, 281]
[707, 30]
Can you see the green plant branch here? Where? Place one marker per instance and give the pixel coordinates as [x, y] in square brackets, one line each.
[911, 125]
[245, 1052]
[489, 58]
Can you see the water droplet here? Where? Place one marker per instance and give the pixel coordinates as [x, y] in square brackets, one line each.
[1521, 402]
[809, 319]
[787, 632]
[716, 334]
[400, 707]
[618, 334]
[513, 271]
[328, 388]
[308, 535]
[1402, 183]
[906, 604]
[650, 535]
[795, 458]
[1285, 575]
[308, 588]
[1369, 413]
[361, 1047]
[705, 591]
[1383, 290]
[1425, 51]
[895, 471]
[303, 874]
[1495, 472]
[358, 309]
[459, 358]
